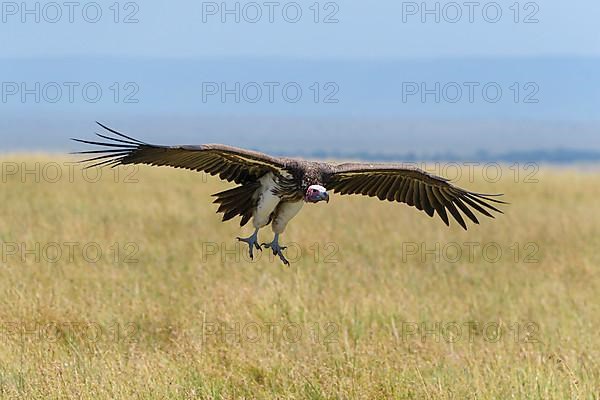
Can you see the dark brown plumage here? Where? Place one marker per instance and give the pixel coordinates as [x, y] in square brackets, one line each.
[237, 201]
[413, 187]
[392, 182]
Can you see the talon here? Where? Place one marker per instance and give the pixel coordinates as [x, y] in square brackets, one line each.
[252, 241]
[277, 250]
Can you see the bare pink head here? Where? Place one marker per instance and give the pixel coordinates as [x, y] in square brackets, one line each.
[316, 193]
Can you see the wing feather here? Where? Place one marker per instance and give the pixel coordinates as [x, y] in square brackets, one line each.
[384, 186]
[352, 185]
[456, 215]
[412, 186]
[391, 193]
[230, 163]
[401, 195]
[467, 211]
[425, 199]
[371, 185]
[441, 209]
[477, 207]
[409, 199]
[364, 181]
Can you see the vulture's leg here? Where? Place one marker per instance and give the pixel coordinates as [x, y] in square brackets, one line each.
[274, 245]
[284, 212]
[252, 241]
[266, 205]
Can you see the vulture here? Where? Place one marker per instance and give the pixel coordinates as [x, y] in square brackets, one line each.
[272, 190]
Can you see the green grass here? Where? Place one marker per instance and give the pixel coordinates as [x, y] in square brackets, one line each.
[182, 321]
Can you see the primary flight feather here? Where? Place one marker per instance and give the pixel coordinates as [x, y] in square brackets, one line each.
[272, 190]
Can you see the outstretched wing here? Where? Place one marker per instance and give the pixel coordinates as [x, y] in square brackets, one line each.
[230, 163]
[412, 186]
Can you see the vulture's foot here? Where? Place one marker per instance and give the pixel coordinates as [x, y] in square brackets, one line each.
[277, 249]
[252, 243]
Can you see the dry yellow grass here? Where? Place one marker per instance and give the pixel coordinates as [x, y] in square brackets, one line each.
[357, 315]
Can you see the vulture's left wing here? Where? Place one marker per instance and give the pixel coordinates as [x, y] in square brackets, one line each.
[412, 186]
[230, 163]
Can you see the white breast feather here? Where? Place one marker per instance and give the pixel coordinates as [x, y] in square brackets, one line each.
[267, 201]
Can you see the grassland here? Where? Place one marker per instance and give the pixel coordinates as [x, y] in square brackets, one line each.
[370, 307]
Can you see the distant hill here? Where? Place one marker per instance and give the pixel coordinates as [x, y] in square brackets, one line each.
[556, 156]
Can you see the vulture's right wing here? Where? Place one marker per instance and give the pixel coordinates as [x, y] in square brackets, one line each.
[230, 163]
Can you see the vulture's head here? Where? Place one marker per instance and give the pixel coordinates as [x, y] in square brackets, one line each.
[316, 193]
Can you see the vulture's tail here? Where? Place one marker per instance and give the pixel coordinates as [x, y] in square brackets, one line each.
[240, 201]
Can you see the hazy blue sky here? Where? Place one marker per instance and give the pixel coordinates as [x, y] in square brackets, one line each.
[365, 30]
[543, 56]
